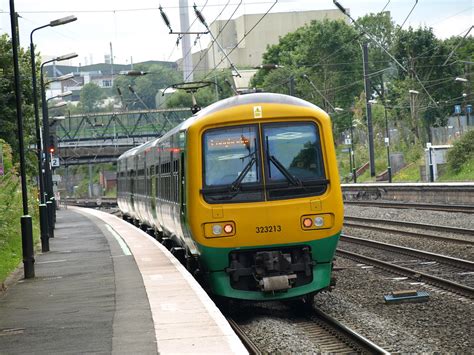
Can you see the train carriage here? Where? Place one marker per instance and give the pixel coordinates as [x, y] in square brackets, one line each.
[246, 192]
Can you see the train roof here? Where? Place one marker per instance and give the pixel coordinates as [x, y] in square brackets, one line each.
[238, 100]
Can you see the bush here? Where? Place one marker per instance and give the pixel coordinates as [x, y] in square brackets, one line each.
[462, 151]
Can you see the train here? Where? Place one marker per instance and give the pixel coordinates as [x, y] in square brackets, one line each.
[245, 193]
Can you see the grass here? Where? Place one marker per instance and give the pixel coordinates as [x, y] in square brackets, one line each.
[10, 228]
[465, 174]
[410, 173]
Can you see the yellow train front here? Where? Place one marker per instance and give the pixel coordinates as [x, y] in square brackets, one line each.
[258, 203]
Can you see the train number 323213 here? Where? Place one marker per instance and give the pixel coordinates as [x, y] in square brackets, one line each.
[268, 229]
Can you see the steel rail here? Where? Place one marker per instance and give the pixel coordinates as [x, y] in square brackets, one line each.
[408, 233]
[351, 334]
[419, 206]
[417, 275]
[438, 228]
[459, 263]
[248, 343]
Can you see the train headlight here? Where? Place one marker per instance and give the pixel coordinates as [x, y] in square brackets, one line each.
[216, 229]
[228, 228]
[319, 221]
[219, 229]
[307, 222]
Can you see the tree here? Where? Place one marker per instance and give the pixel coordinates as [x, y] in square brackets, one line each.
[325, 52]
[158, 77]
[423, 56]
[91, 94]
[206, 95]
[8, 122]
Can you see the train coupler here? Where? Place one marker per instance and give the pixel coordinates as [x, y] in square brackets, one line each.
[276, 283]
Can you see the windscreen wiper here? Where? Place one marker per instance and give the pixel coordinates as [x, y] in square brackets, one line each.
[235, 186]
[291, 178]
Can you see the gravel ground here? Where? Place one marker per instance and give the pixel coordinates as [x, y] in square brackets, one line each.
[451, 219]
[443, 324]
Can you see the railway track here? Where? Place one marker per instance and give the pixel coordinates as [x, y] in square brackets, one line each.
[418, 206]
[329, 335]
[426, 267]
[105, 202]
[368, 223]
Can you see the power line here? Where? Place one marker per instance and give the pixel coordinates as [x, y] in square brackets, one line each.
[406, 18]
[245, 35]
[216, 37]
[251, 3]
[384, 49]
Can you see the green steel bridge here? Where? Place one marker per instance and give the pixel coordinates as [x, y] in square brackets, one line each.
[102, 137]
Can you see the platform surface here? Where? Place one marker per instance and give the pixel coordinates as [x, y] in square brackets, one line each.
[107, 287]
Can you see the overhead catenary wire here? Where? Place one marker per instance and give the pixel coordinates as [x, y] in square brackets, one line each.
[406, 18]
[216, 37]
[245, 35]
[341, 8]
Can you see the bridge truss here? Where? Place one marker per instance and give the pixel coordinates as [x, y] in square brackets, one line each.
[102, 137]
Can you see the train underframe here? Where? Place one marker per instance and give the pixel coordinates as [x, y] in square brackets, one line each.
[264, 273]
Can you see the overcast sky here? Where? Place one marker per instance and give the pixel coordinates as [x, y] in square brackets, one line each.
[137, 31]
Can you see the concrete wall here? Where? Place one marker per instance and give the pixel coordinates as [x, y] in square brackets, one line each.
[268, 32]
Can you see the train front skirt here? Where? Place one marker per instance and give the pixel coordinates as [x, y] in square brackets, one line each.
[274, 272]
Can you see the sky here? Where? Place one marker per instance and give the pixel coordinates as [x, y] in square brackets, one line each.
[138, 33]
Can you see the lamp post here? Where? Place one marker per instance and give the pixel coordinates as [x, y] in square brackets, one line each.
[413, 94]
[61, 95]
[387, 142]
[26, 225]
[50, 202]
[42, 206]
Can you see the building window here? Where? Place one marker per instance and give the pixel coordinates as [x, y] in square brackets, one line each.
[106, 83]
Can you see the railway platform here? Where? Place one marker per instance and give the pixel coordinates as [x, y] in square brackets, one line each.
[107, 287]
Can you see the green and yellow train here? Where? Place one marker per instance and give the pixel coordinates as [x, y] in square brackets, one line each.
[245, 193]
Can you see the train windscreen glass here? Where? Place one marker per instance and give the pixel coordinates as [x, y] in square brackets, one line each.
[231, 164]
[293, 160]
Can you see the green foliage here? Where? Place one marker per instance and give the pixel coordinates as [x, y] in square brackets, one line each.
[466, 173]
[91, 94]
[8, 119]
[10, 214]
[462, 152]
[159, 77]
[410, 173]
[7, 156]
[327, 52]
[204, 96]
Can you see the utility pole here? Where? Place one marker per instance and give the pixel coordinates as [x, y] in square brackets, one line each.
[26, 224]
[292, 85]
[111, 65]
[365, 59]
[185, 41]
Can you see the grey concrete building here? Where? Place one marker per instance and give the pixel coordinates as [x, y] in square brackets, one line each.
[248, 53]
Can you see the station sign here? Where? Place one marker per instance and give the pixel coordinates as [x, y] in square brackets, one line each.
[55, 162]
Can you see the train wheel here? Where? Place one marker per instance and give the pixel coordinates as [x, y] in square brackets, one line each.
[308, 300]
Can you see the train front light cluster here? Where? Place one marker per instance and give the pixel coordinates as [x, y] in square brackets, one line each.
[219, 230]
[319, 221]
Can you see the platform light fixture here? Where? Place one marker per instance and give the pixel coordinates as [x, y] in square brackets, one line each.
[39, 144]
